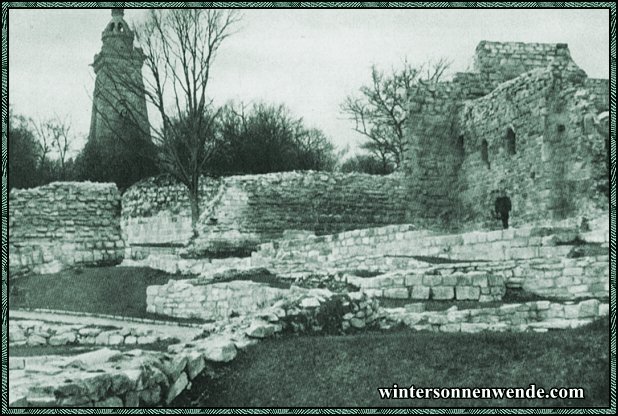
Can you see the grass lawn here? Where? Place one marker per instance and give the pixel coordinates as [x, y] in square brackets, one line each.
[345, 371]
[102, 290]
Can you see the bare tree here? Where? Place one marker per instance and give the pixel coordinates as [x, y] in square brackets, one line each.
[380, 111]
[54, 136]
[180, 46]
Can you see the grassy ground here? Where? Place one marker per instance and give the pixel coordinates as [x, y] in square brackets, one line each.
[102, 290]
[345, 371]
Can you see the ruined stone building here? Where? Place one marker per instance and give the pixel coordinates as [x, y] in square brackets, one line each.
[119, 100]
[523, 124]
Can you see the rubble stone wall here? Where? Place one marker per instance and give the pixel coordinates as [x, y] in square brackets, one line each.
[40, 333]
[539, 152]
[63, 224]
[538, 316]
[242, 211]
[190, 299]
[541, 260]
[156, 211]
[522, 124]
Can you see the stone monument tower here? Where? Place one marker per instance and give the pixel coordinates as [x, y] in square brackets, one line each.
[119, 102]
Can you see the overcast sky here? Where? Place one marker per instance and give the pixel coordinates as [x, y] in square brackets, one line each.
[309, 60]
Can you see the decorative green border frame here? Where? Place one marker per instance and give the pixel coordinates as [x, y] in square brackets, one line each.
[609, 5]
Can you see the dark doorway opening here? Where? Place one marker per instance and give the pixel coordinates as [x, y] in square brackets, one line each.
[502, 207]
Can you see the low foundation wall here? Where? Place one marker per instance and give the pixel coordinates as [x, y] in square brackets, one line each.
[64, 224]
[538, 316]
[553, 262]
[445, 284]
[192, 299]
[40, 333]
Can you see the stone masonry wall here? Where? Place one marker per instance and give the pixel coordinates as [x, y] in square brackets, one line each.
[63, 224]
[192, 299]
[242, 211]
[499, 62]
[156, 211]
[37, 333]
[524, 124]
[435, 285]
[540, 260]
[554, 166]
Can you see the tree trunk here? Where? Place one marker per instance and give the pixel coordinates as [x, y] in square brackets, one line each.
[195, 209]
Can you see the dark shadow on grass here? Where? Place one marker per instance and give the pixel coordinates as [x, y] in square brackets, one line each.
[100, 290]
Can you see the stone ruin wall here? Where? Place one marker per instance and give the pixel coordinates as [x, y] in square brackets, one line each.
[533, 89]
[156, 211]
[64, 224]
[554, 170]
[539, 260]
[243, 211]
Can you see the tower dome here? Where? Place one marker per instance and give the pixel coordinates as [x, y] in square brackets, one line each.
[117, 33]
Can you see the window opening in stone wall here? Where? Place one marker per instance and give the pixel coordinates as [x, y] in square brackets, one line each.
[484, 153]
[510, 141]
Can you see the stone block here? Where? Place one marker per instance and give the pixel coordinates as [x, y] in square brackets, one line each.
[432, 280]
[474, 327]
[396, 293]
[41, 400]
[34, 340]
[420, 293]
[442, 292]
[62, 339]
[260, 329]
[573, 271]
[449, 280]
[115, 339]
[453, 327]
[150, 396]
[467, 292]
[357, 323]
[413, 280]
[172, 366]
[16, 334]
[415, 307]
[94, 358]
[130, 340]
[195, 364]
[177, 387]
[16, 363]
[589, 308]
[218, 350]
[146, 339]
[309, 303]
[571, 311]
[480, 280]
